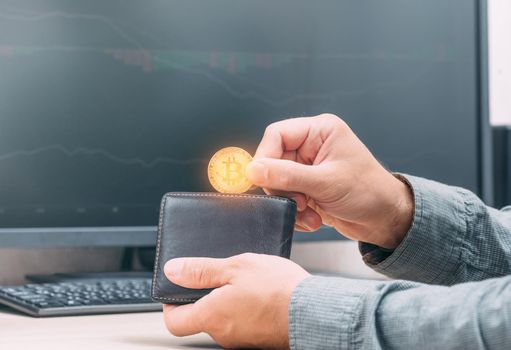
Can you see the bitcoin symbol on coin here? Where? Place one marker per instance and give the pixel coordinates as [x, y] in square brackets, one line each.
[232, 167]
[226, 170]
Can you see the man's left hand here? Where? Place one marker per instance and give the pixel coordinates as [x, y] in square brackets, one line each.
[248, 308]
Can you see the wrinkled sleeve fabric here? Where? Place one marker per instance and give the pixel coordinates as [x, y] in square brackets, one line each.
[454, 238]
[457, 258]
[337, 313]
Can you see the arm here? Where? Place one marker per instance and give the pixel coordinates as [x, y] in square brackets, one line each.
[337, 313]
[449, 237]
[454, 238]
[262, 301]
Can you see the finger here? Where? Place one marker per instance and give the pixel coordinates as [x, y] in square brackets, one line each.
[272, 143]
[309, 219]
[284, 175]
[300, 228]
[290, 155]
[299, 198]
[182, 320]
[282, 136]
[198, 273]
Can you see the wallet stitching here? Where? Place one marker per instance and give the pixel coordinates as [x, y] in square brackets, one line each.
[220, 195]
[160, 227]
[157, 259]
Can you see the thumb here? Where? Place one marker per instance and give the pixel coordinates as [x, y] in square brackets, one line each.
[198, 273]
[283, 175]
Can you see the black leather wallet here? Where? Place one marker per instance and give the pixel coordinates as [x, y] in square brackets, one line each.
[218, 226]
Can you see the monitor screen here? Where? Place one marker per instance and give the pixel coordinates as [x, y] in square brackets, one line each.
[106, 105]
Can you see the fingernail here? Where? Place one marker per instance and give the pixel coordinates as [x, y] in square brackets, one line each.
[257, 172]
[173, 267]
[300, 205]
[309, 222]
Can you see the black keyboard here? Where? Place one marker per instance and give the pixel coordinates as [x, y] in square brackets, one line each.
[81, 297]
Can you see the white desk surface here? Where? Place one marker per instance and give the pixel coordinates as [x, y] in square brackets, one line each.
[110, 332]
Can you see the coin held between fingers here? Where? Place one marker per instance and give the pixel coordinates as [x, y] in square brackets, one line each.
[226, 170]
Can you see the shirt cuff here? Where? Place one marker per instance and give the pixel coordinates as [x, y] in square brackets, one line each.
[431, 249]
[330, 313]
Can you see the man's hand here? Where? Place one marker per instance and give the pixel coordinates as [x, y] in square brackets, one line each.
[248, 308]
[335, 180]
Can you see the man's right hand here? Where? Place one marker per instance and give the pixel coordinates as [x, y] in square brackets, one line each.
[335, 180]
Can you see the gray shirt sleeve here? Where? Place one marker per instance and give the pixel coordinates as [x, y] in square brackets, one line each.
[336, 313]
[454, 238]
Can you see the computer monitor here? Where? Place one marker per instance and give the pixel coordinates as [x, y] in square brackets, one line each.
[106, 105]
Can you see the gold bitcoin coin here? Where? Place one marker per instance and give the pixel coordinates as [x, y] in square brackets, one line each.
[226, 170]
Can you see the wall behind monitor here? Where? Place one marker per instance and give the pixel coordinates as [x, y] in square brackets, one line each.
[499, 30]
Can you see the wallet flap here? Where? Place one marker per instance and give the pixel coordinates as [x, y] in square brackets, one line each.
[218, 226]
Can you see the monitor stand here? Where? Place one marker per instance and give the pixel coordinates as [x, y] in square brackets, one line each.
[143, 256]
